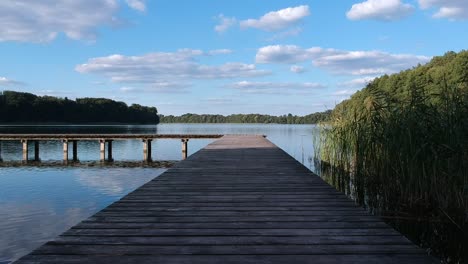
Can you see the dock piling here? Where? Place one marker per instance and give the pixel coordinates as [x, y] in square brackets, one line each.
[102, 144]
[184, 147]
[25, 150]
[1, 152]
[36, 151]
[75, 150]
[65, 150]
[109, 151]
[147, 150]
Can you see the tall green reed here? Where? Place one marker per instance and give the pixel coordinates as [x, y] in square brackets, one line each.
[407, 160]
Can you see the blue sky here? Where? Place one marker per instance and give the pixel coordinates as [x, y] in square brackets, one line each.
[217, 56]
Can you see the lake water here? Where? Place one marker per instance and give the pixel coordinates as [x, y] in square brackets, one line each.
[39, 203]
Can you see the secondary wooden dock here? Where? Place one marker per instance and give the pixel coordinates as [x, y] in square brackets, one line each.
[25, 139]
[239, 200]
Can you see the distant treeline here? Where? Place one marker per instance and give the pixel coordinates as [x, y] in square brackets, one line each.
[26, 107]
[248, 118]
[21, 107]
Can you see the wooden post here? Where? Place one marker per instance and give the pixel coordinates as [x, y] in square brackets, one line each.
[1, 151]
[25, 150]
[184, 148]
[75, 150]
[109, 151]
[36, 151]
[65, 150]
[102, 144]
[147, 150]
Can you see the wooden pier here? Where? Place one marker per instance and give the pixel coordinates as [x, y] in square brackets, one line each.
[241, 199]
[102, 138]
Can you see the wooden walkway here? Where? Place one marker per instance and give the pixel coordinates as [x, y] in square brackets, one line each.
[239, 200]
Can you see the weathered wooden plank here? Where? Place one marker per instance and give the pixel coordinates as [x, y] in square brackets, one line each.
[283, 195]
[239, 200]
[144, 189]
[219, 219]
[201, 195]
[227, 192]
[121, 213]
[222, 204]
[232, 259]
[227, 199]
[147, 196]
[246, 208]
[232, 240]
[225, 250]
[234, 225]
[239, 188]
[234, 208]
[233, 232]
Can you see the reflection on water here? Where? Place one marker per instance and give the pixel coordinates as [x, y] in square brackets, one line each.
[118, 183]
[38, 203]
[26, 226]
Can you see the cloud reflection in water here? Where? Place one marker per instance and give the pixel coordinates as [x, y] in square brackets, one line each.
[37, 204]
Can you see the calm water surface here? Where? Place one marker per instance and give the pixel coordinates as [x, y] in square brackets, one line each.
[37, 204]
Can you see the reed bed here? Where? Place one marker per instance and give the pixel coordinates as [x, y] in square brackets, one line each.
[407, 161]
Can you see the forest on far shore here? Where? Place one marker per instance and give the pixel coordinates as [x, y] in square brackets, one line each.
[18, 107]
[248, 118]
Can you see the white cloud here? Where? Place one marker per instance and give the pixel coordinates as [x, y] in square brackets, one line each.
[340, 95]
[340, 61]
[220, 52]
[224, 23]
[128, 89]
[218, 101]
[357, 83]
[158, 87]
[99, 83]
[138, 5]
[42, 21]
[287, 54]
[368, 62]
[9, 82]
[451, 9]
[344, 93]
[386, 10]
[278, 20]
[276, 87]
[451, 12]
[168, 87]
[297, 69]
[287, 33]
[165, 69]
[350, 87]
